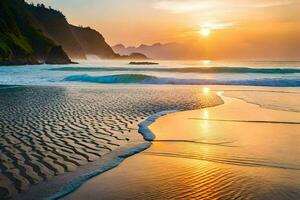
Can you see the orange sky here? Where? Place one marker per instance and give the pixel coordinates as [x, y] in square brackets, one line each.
[244, 28]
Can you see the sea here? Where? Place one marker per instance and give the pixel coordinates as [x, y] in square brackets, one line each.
[202, 72]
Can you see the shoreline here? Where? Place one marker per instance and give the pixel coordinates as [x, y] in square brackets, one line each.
[116, 136]
[144, 171]
[116, 161]
[62, 185]
[148, 136]
[115, 157]
[144, 125]
[111, 160]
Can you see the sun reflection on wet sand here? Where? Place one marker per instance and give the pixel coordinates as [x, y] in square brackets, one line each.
[203, 157]
[205, 114]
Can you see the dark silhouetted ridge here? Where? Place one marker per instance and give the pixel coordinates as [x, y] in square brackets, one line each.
[28, 33]
[22, 40]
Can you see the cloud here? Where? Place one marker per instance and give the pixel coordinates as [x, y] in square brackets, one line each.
[182, 6]
[217, 26]
[266, 4]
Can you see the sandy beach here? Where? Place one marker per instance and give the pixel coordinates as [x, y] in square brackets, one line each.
[149, 100]
[86, 142]
[236, 150]
[52, 131]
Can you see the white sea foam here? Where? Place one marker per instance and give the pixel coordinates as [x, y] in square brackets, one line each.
[75, 184]
[144, 126]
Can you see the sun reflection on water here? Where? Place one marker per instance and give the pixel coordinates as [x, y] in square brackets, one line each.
[206, 62]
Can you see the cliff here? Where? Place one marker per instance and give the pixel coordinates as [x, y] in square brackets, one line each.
[92, 42]
[32, 34]
[22, 40]
[56, 26]
[77, 41]
[57, 55]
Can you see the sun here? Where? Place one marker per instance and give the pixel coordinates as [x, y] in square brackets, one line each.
[205, 32]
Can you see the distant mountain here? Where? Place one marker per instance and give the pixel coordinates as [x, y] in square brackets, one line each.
[158, 51]
[32, 34]
[22, 40]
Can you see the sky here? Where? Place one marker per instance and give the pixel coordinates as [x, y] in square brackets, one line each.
[209, 28]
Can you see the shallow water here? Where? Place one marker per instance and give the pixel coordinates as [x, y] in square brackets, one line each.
[233, 151]
[286, 101]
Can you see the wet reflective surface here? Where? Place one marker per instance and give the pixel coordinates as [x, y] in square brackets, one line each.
[234, 151]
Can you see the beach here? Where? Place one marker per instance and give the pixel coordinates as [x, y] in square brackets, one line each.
[236, 150]
[149, 100]
[112, 131]
[49, 131]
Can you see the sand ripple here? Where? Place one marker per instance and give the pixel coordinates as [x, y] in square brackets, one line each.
[47, 131]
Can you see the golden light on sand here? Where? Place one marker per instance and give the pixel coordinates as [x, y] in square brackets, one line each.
[206, 90]
[205, 32]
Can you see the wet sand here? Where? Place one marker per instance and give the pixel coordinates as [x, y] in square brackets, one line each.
[51, 136]
[238, 150]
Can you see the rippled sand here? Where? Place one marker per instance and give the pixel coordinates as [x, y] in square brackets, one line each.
[48, 131]
[234, 151]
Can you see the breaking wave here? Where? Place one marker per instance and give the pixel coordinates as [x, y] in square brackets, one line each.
[147, 79]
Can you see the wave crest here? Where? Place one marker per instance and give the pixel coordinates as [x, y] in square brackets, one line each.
[122, 78]
[147, 79]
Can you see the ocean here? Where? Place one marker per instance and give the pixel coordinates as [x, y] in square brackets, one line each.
[67, 135]
[248, 73]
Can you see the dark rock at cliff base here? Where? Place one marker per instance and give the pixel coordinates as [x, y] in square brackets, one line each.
[15, 59]
[4, 193]
[57, 56]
